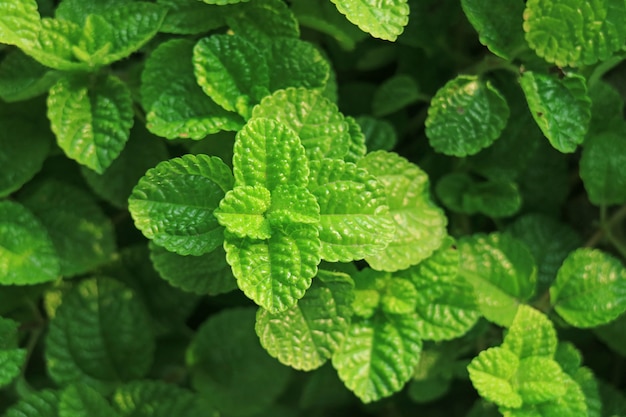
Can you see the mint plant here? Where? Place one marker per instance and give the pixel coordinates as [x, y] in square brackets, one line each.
[312, 207]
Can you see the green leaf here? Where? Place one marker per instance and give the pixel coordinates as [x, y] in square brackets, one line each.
[499, 25]
[100, 336]
[568, 357]
[492, 372]
[531, 334]
[445, 304]
[399, 297]
[44, 403]
[191, 17]
[306, 335]
[601, 167]
[22, 78]
[316, 120]
[296, 63]
[56, 45]
[466, 115]
[291, 204]
[379, 134]
[357, 148]
[25, 146]
[354, 221]
[151, 398]
[242, 212]
[91, 122]
[19, 22]
[378, 355]
[12, 358]
[263, 21]
[231, 71]
[83, 401]
[586, 380]
[394, 94]
[561, 107]
[60, 207]
[385, 20]
[269, 154]
[27, 255]
[249, 379]
[540, 379]
[590, 288]
[77, 10]
[502, 271]
[173, 203]
[276, 272]
[420, 226]
[368, 286]
[575, 33]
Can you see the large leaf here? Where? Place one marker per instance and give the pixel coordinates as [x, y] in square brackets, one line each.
[151, 398]
[466, 115]
[561, 107]
[100, 336]
[590, 288]
[575, 32]
[420, 226]
[173, 203]
[27, 255]
[12, 358]
[378, 355]
[601, 167]
[91, 121]
[306, 335]
[385, 20]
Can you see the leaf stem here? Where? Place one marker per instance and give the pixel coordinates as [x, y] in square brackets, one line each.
[605, 229]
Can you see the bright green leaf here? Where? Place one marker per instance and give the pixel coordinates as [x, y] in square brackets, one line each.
[561, 107]
[79, 400]
[531, 334]
[602, 167]
[292, 204]
[368, 286]
[57, 46]
[12, 358]
[19, 22]
[27, 255]
[400, 297]
[385, 20]
[173, 203]
[588, 383]
[539, 379]
[357, 148]
[44, 403]
[242, 212]
[492, 372]
[590, 288]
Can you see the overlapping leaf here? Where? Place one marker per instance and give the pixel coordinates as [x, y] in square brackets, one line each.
[531, 334]
[385, 20]
[191, 17]
[12, 358]
[263, 21]
[22, 78]
[44, 403]
[357, 148]
[79, 400]
[19, 22]
[379, 134]
[296, 63]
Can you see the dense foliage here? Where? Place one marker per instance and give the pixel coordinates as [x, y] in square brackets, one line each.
[249, 208]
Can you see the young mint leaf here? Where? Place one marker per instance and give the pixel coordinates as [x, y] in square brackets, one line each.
[539, 380]
[492, 372]
[531, 334]
[575, 33]
[296, 63]
[191, 17]
[44, 403]
[91, 122]
[12, 358]
[378, 355]
[395, 94]
[499, 25]
[173, 203]
[56, 45]
[502, 271]
[22, 78]
[466, 115]
[420, 226]
[306, 335]
[357, 148]
[269, 154]
[151, 398]
[59, 207]
[385, 20]
[379, 134]
[232, 71]
[276, 272]
[368, 286]
[204, 274]
[19, 22]
[262, 21]
[27, 255]
[601, 167]
[79, 400]
[590, 288]
[101, 335]
[316, 120]
[561, 107]
[249, 379]
[293, 204]
[354, 221]
[399, 297]
[242, 212]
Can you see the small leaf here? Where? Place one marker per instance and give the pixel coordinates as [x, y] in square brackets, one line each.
[44, 403]
[395, 94]
[242, 212]
[174, 203]
[465, 116]
[561, 107]
[590, 288]
[384, 20]
[601, 167]
[575, 33]
[12, 358]
[306, 335]
[27, 255]
[378, 355]
[531, 334]
[539, 380]
[22, 78]
[91, 122]
[420, 226]
[502, 271]
[83, 401]
[379, 134]
[491, 373]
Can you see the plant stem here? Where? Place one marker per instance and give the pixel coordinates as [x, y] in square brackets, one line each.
[605, 229]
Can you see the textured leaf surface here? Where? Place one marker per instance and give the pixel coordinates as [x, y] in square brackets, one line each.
[248, 379]
[12, 358]
[575, 33]
[378, 355]
[385, 20]
[151, 398]
[242, 212]
[263, 21]
[231, 71]
[357, 149]
[306, 335]
[27, 255]
[19, 23]
[540, 379]
[91, 122]
[296, 63]
[531, 334]
[602, 167]
[590, 288]
[100, 336]
[395, 94]
[502, 271]
[173, 203]
[379, 134]
[561, 108]
[354, 221]
[191, 17]
[420, 226]
[22, 78]
[315, 119]
[491, 373]
[465, 116]
[43, 403]
[79, 400]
